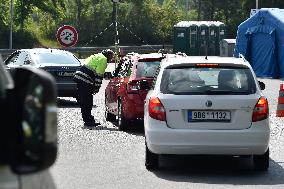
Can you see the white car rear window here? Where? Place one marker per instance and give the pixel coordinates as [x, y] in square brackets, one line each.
[197, 80]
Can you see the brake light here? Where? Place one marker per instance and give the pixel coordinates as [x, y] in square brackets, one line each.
[132, 87]
[207, 65]
[261, 110]
[156, 109]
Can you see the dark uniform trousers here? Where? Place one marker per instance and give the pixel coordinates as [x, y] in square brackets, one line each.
[87, 83]
[85, 93]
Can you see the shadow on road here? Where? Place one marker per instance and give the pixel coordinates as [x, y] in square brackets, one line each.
[217, 170]
[69, 103]
[101, 127]
[134, 128]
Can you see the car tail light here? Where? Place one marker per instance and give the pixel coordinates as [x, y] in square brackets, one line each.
[133, 87]
[261, 110]
[156, 109]
[207, 65]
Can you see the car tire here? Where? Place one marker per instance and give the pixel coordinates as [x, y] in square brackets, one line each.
[151, 160]
[261, 162]
[122, 122]
[109, 117]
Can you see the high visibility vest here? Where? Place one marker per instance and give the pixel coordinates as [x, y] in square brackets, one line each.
[91, 73]
[96, 63]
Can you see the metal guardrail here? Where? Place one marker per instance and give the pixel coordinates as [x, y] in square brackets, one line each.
[83, 52]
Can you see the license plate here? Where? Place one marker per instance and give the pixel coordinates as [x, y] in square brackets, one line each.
[203, 116]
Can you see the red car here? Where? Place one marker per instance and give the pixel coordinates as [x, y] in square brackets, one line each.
[128, 87]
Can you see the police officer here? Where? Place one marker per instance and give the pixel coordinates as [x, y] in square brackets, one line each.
[89, 79]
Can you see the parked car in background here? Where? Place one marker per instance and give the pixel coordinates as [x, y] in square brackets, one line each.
[59, 63]
[124, 96]
[207, 106]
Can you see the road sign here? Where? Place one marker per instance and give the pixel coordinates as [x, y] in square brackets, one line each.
[67, 36]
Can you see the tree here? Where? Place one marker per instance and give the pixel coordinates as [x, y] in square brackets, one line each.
[24, 8]
[230, 12]
[4, 16]
[140, 21]
[247, 5]
[4, 23]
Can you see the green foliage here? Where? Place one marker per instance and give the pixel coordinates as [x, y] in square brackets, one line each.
[149, 21]
[24, 39]
[4, 13]
[229, 12]
[24, 9]
[44, 38]
[140, 21]
[169, 16]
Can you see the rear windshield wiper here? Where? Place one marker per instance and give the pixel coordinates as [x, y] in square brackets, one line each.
[216, 91]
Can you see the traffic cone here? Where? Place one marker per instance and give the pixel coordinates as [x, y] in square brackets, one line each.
[280, 106]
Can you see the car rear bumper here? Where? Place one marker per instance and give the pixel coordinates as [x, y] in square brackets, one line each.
[164, 140]
[67, 89]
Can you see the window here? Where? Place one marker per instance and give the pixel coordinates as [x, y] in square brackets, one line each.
[193, 80]
[55, 58]
[12, 59]
[22, 58]
[27, 60]
[147, 69]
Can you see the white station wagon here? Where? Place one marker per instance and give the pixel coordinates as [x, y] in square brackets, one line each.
[206, 106]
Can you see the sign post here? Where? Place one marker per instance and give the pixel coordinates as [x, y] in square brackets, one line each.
[116, 40]
[11, 23]
[67, 36]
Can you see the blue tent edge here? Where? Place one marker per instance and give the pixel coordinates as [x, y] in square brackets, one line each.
[266, 61]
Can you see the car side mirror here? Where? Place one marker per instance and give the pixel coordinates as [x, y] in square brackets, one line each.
[144, 85]
[107, 75]
[34, 147]
[262, 85]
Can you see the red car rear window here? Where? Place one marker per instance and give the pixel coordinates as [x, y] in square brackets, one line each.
[147, 69]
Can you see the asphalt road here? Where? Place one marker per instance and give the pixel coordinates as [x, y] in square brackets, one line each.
[108, 158]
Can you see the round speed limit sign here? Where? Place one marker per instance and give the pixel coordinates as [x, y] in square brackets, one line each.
[67, 36]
